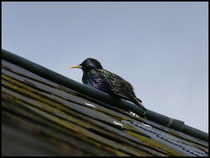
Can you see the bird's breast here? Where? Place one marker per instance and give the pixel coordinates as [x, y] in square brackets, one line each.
[92, 79]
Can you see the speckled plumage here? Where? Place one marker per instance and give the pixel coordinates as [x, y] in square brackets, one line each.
[95, 76]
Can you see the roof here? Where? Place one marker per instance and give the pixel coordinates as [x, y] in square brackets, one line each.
[45, 113]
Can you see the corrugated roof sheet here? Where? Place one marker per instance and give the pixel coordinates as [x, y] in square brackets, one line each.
[41, 117]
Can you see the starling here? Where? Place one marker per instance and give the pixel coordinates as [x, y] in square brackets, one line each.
[95, 76]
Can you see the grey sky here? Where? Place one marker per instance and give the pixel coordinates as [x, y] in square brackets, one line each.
[161, 48]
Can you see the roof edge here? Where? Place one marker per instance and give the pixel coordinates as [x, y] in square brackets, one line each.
[103, 97]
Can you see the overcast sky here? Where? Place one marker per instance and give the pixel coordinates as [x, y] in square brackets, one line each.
[161, 48]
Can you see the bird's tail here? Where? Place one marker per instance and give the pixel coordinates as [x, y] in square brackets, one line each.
[138, 102]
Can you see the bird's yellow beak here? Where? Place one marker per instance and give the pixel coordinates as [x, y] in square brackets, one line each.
[76, 66]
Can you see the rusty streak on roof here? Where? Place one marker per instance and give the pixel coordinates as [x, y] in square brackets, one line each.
[42, 117]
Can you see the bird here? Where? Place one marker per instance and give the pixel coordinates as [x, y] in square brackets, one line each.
[95, 76]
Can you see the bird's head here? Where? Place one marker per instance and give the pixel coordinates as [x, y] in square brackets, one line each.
[89, 64]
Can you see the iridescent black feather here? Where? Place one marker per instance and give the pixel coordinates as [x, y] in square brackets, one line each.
[95, 76]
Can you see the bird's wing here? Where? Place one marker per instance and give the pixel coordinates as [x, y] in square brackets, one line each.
[118, 85]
